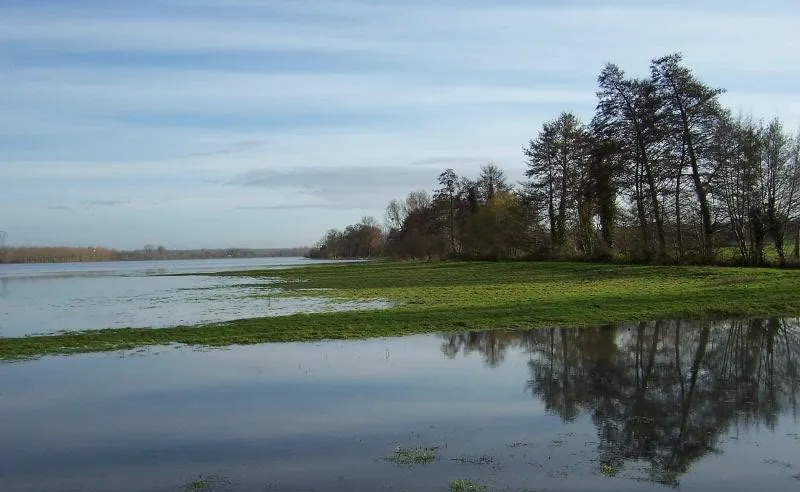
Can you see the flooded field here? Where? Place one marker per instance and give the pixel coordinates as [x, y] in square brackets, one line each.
[698, 406]
[48, 298]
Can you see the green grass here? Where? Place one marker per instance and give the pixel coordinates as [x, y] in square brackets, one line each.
[415, 455]
[459, 296]
[608, 470]
[466, 485]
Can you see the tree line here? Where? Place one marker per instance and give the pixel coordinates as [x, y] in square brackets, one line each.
[62, 254]
[661, 173]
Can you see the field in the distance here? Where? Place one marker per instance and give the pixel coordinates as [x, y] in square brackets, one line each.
[459, 296]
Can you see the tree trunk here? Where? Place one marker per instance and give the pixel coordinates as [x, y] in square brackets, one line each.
[643, 226]
[562, 213]
[678, 224]
[452, 225]
[551, 210]
[702, 196]
[606, 206]
[678, 219]
[651, 183]
[757, 235]
[777, 229]
[605, 193]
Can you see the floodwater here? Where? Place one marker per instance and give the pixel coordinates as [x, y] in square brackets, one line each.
[48, 298]
[699, 406]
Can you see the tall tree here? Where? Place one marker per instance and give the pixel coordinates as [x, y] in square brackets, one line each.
[605, 169]
[693, 111]
[553, 160]
[737, 149]
[781, 177]
[628, 112]
[447, 193]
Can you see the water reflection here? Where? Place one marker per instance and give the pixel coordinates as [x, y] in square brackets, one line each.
[711, 406]
[661, 395]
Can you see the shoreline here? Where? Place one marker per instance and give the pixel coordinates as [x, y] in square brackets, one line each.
[447, 297]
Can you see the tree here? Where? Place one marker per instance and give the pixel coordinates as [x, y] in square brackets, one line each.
[738, 149]
[554, 158]
[606, 170]
[395, 215]
[417, 200]
[420, 234]
[493, 231]
[692, 111]
[369, 237]
[782, 179]
[628, 112]
[447, 192]
[491, 182]
[757, 181]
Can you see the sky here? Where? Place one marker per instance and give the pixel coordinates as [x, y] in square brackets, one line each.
[262, 123]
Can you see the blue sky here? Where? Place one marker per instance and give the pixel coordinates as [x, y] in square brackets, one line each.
[261, 123]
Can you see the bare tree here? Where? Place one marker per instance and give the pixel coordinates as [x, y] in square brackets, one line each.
[491, 182]
[395, 215]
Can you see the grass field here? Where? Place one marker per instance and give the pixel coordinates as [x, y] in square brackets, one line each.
[456, 296]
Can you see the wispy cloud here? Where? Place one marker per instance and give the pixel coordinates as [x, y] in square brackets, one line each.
[342, 187]
[300, 206]
[105, 203]
[458, 161]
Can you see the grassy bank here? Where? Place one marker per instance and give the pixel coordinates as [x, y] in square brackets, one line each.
[444, 296]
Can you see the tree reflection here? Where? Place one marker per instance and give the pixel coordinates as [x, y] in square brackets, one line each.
[661, 394]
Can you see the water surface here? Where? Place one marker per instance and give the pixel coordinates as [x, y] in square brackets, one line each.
[48, 298]
[698, 406]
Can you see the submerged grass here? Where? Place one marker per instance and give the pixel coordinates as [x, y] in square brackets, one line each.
[458, 296]
[608, 470]
[414, 455]
[466, 485]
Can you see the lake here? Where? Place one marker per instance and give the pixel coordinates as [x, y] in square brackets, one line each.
[48, 298]
[700, 406]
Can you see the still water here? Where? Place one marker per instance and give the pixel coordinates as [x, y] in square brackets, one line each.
[48, 298]
[698, 406]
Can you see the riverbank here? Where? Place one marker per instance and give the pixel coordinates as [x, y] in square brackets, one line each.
[13, 255]
[459, 296]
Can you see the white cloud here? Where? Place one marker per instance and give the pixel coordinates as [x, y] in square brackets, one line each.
[150, 102]
[109, 92]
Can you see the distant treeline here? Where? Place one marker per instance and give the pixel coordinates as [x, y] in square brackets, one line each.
[29, 254]
[662, 173]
